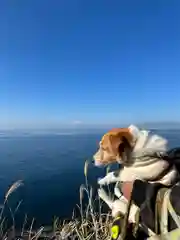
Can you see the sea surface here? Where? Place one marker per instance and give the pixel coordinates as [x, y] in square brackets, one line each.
[52, 169]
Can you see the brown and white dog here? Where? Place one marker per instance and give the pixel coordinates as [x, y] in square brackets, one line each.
[137, 151]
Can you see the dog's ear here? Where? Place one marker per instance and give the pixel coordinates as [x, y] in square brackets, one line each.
[118, 141]
[114, 143]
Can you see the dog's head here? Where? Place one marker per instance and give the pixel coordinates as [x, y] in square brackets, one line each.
[115, 146]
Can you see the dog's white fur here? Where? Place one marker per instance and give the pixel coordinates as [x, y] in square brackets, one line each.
[143, 168]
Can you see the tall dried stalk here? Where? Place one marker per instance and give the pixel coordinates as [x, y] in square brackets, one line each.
[91, 226]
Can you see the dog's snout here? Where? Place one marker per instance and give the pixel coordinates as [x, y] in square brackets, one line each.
[97, 158]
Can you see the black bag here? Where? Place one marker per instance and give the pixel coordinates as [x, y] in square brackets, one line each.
[144, 196]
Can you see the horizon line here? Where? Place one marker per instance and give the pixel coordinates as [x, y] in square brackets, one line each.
[86, 126]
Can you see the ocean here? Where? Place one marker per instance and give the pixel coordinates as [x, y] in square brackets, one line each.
[51, 167]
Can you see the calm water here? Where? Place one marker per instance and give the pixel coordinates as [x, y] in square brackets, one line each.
[51, 167]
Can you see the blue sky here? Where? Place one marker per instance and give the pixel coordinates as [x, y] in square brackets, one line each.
[98, 61]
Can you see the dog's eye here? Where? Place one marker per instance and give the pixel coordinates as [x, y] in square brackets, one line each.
[102, 148]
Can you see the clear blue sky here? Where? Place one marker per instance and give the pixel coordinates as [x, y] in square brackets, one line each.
[97, 61]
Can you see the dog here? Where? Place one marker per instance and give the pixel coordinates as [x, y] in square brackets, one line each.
[139, 153]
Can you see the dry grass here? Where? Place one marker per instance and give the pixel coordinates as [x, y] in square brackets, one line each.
[91, 225]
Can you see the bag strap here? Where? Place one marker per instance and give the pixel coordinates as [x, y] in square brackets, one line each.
[158, 207]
